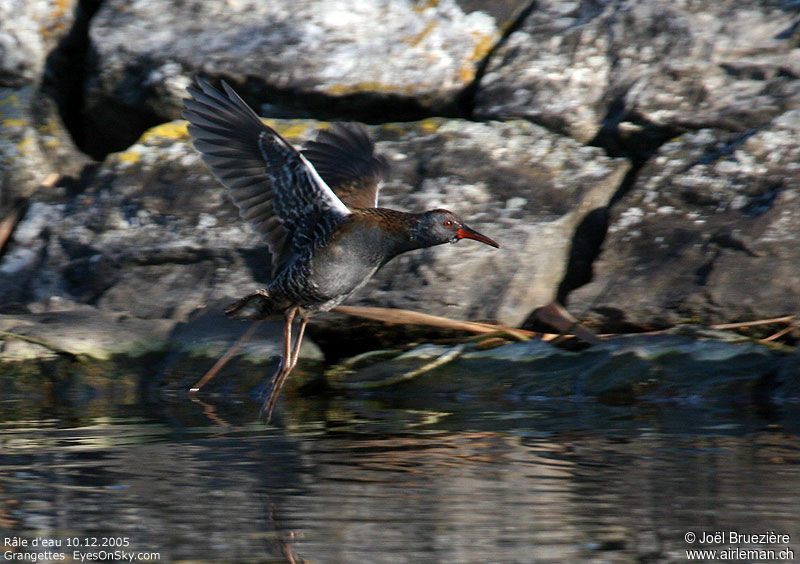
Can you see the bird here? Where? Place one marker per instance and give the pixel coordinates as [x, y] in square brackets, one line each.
[316, 208]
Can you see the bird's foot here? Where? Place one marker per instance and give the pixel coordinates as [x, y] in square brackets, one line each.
[270, 393]
[269, 384]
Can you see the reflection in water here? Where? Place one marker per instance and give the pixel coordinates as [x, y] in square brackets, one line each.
[395, 485]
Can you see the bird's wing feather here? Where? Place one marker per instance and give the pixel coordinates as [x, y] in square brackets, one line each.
[275, 187]
[345, 157]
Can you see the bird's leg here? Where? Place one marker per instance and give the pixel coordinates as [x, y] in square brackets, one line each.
[289, 363]
[287, 342]
[286, 367]
[225, 358]
[300, 332]
[286, 363]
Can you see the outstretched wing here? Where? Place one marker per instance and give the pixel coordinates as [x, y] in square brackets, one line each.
[275, 187]
[345, 157]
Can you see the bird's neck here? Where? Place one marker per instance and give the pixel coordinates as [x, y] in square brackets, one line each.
[398, 229]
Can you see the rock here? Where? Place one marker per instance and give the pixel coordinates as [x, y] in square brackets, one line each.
[645, 69]
[208, 333]
[678, 366]
[63, 326]
[81, 351]
[34, 146]
[83, 331]
[33, 141]
[29, 30]
[374, 61]
[154, 234]
[709, 232]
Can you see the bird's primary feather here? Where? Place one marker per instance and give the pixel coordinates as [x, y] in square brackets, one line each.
[275, 187]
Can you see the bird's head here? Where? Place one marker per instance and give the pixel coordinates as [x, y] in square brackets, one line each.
[436, 227]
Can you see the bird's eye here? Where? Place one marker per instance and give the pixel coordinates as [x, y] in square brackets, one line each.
[448, 222]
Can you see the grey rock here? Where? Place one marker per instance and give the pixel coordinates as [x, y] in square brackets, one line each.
[208, 333]
[84, 348]
[386, 59]
[623, 370]
[154, 234]
[29, 29]
[709, 233]
[33, 141]
[33, 144]
[646, 67]
[82, 331]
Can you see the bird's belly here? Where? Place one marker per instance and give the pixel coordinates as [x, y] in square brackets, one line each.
[340, 271]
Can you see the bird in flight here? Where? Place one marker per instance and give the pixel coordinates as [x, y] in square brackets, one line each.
[317, 210]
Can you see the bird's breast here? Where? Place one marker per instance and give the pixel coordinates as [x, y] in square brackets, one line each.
[349, 260]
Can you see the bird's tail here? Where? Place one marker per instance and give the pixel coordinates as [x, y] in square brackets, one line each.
[258, 305]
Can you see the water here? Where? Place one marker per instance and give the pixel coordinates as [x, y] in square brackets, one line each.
[361, 480]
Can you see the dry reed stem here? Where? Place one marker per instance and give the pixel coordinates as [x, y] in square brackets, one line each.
[755, 323]
[556, 316]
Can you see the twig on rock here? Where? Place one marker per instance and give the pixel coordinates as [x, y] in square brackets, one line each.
[779, 334]
[555, 315]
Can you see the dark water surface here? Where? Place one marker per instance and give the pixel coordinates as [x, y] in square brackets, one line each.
[360, 480]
